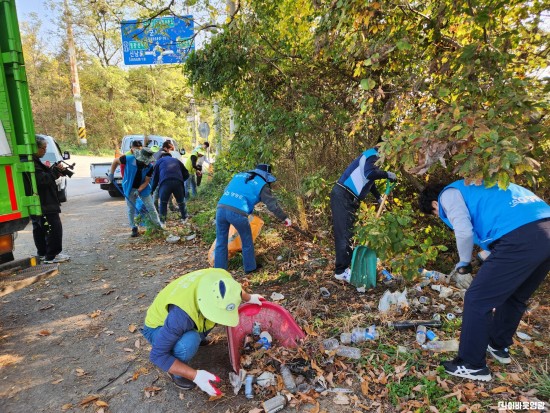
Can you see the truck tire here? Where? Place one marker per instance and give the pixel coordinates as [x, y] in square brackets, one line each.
[115, 193]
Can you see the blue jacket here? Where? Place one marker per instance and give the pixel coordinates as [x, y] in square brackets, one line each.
[169, 168]
[494, 212]
[360, 175]
[130, 172]
[243, 195]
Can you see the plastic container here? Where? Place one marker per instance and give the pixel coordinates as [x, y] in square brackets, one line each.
[358, 334]
[430, 335]
[413, 324]
[263, 343]
[441, 346]
[421, 334]
[349, 352]
[274, 318]
[388, 277]
[330, 344]
[345, 338]
[288, 379]
[274, 404]
[256, 329]
[248, 390]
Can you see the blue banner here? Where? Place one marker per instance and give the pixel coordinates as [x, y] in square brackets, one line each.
[164, 40]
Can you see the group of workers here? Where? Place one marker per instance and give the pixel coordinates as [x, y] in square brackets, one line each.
[512, 224]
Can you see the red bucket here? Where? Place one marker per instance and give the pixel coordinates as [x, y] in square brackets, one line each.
[273, 318]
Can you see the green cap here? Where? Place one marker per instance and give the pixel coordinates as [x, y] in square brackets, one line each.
[219, 296]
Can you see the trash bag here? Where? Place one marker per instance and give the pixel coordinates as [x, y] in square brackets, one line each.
[234, 244]
[141, 213]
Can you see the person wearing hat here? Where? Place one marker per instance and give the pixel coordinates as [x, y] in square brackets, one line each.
[136, 183]
[200, 162]
[194, 169]
[181, 316]
[353, 187]
[242, 193]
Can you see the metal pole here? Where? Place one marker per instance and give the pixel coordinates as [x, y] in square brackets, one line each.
[193, 123]
[74, 76]
[217, 128]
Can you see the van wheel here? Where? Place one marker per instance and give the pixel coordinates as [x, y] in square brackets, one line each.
[115, 194]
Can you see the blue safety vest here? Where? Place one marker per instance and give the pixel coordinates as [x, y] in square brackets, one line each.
[241, 195]
[356, 175]
[495, 212]
[130, 172]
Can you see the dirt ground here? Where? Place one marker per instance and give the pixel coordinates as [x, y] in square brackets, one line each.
[72, 343]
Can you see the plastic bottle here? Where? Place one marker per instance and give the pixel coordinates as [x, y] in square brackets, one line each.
[358, 334]
[433, 275]
[388, 277]
[256, 329]
[421, 334]
[349, 352]
[274, 404]
[248, 391]
[330, 344]
[263, 343]
[441, 346]
[345, 338]
[288, 379]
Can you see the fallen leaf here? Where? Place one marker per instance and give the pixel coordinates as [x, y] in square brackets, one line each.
[365, 387]
[500, 389]
[128, 350]
[88, 400]
[57, 381]
[132, 328]
[80, 372]
[101, 403]
[95, 314]
[44, 333]
[152, 389]
[219, 396]
[100, 410]
[121, 339]
[255, 410]
[67, 406]
[341, 398]
[137, 344]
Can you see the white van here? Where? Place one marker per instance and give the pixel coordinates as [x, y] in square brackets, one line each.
[53, 155]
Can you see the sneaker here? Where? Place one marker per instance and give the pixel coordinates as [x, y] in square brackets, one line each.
[60, 255]
[182, 382]
[502, 356]
[184, 221]
[459, 368]
[135, 232]
[344, 276]
[163, 225]
[41, 257]
[57, 259]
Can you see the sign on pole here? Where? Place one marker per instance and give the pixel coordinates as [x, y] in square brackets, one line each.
[164, 40]
[204, 130]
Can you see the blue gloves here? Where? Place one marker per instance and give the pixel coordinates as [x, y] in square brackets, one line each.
[111, 177]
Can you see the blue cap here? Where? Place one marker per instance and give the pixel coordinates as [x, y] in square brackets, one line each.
[430, 335]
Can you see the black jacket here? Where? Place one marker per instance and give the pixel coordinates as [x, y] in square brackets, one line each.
[47, 188]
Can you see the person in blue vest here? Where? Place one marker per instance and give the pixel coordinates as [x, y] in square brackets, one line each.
[352, 188]
[181, 316]
[136, 183]
[242, 193]
[514, 225]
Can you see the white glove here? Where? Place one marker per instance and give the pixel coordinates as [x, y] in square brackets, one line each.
[463, 280]
[203, 379]
[255, 299]
[287, 222]
[392, 177]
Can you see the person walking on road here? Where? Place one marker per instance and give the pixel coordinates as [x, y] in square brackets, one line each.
[136, 183]
[244, 191]
[169, 176]
[352, 188]
[514, 225]
[47, 230]
[182, 315]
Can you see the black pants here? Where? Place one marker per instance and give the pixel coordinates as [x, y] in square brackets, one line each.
[519, 262]
[47, 232]
[344, 213]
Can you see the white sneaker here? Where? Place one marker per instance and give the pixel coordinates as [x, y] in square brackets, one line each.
[63, 256]
[184, 221]
[56, 260]
[345, 276]
[163, 225]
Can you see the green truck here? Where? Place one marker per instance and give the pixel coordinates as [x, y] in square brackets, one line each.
[18, 194]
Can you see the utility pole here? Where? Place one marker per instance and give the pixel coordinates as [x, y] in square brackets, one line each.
[192, 118]
[74, 76]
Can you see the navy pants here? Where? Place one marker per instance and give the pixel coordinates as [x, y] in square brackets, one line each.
[344, 213]
[47, 233]
[172, 187]
[224, 219]
[519, 262]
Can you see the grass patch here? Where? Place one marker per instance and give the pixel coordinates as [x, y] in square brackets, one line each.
[541, 381]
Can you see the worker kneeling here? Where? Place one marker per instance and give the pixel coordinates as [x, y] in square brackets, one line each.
[182, 315]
